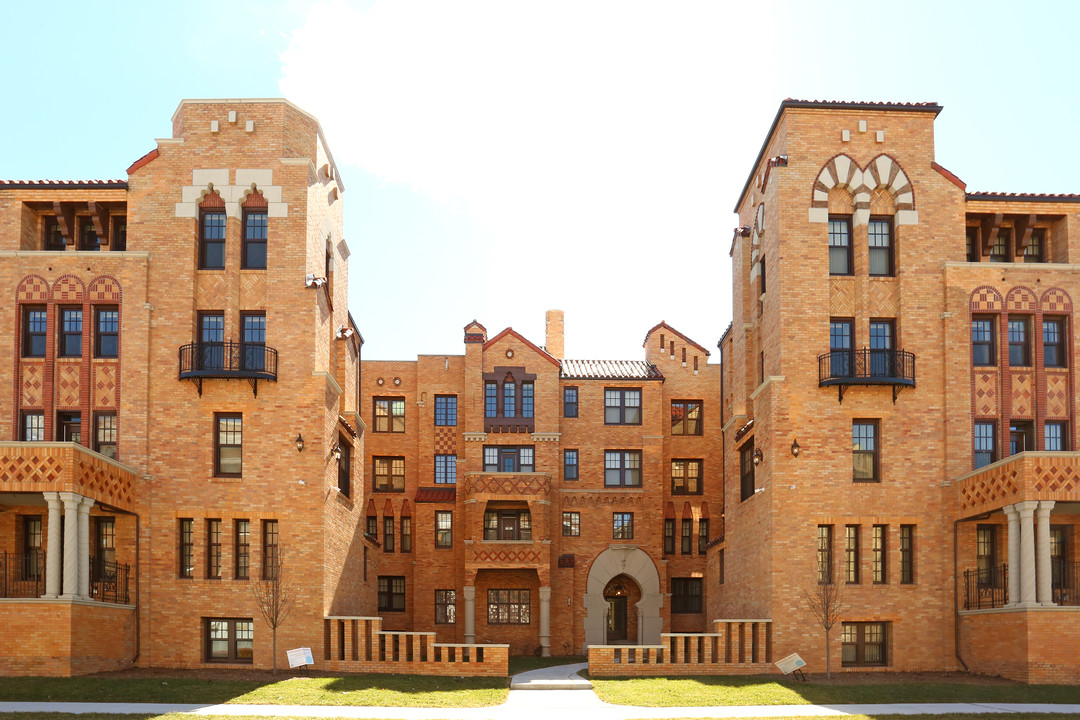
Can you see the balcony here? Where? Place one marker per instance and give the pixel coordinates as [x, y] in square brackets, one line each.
[1028, 475]
[506, 486]
[35, 467]
[508, 555]
[228, 361]
[989, 588]
[844, 368]
[22, 575]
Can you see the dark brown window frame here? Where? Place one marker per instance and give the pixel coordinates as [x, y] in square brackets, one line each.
[570, 406]
[66, 420]
[520, 598]
[392, 593]
[447, 474]
[406, 534]
[687, 536]
[684, 599]
[112, 335]
[495, 528]
[879, 554]
[345, 466]
[993, 452]
[625, 468]
[386, 422]
[388, 533]
[986, 347]
[623, 394]
[66, 335]
[622, 526]
[206, 241]
[825, 554]
[874, 452]
[1058, 348]
[446, 607]
[860, 644]
[687, 464]
[889, 249]
[747, 487]
[571, 524]
[234, 656]
[1022, 355]
[570, 464]
[444, 534]
[389, 485]
[219, 445]
[446, 412]
[102, 430]
[687, 406]
[29, 337]
[851, 554]
[186, 548]
[850, 259]
[85, 225]
[242, 548]
[25, 425]
[213, 548]
[703, 536]
[669, 536]
[907, 554]
[52, 238]
[250, 238]
[271, 548]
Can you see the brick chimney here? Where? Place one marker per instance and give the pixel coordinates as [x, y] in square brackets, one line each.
[553, 340]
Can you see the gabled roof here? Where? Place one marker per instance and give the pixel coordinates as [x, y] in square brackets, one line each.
[609, 370]
[663, 324]
[510, 331]
[144, 160]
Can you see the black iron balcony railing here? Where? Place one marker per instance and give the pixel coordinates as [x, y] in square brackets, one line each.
[986, 588]
[22, 575]
[108, 581]
[1065, 581]
[867, 366]
[228, 360]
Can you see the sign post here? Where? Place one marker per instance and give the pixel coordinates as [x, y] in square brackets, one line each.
[792, 665]
[301, 658]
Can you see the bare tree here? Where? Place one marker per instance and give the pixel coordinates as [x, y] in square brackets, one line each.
[825, 601]
[275, 595]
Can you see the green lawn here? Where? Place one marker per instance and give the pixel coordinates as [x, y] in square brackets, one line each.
[521, 663]
[371, 690]
[718, 690]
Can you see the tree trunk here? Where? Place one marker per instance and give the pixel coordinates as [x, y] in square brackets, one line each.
[274, 633]
[828, 657]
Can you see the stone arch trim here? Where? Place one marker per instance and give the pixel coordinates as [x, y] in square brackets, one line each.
[885, 172]
[840, 171]
[986, 299]
[634, 562]
[1022, 299]
[254, 198]
[1055, 300]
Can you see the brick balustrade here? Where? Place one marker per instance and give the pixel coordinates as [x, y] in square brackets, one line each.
[65, 467]
[359, 644]
[1027, 476]
[737, 647]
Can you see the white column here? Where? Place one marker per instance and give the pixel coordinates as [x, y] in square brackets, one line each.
[71, 543]
[1014, 554]
[1043, 588]
[1027, 551]
[53, 559]
[84, 547]
[545, 622]
[470, 613]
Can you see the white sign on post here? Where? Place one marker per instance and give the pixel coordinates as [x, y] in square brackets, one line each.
[300, 657]
[790, 664]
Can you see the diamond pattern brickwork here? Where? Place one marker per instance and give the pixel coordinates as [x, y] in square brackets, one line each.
[67, 385]
[32, 384]
[105, 386]
[33, 468]
[1023, 395]
[512, 485]
[1057, 395]
[986, 393]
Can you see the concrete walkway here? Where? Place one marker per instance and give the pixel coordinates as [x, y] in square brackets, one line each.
[556, 677]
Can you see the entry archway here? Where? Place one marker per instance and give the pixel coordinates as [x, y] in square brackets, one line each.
[634, 562]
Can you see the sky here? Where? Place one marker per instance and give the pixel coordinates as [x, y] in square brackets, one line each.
[505, 158]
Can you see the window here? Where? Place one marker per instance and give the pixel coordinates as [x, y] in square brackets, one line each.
[491, 399]
[507, 525]
[446, 410]
[344, 468]
[907, 554]
[445, 607]
[33, 427]
[31, 547]
[270, 549]
[1053, 343]
[570, 465]
[985, 446]
[444, 528]
[571, 524]
[213, 549]
[119, 233]
[1021, 436]
[445, 469]
[841, 340]
[622, 407]
[390, 474]
[703, 535]
[824, 554]
[406, 534]
[1001, 250]
[509, 399]
[212, 340]
[228, 438]
[212, 239]
[254, 241]
[187, 548]
[687, 536]
[746, 470]
[1059, 560]
[33, 331]
[389, 414]
[986, 555]
[881, 255]
[720, 569]
[882, 360]
[851, 553]
[622, 526]
[865, 458]
[570, 402]
[88, 237]
[1033, 253]
[391, 593]
[508, 607]
[68, 427]
[1055, 436]
[686, 477]
[686, 417]
[685, 595]
[70, 332]
[622, 467]
[669, 536]
[840, 246]
[107, 338]
[527, 400]
[862, 643]
[254, 329]
[388, 533]
[372, 527]
[509, 458]
[243, 549]
[230, 640]
[54, 239]
[877, 553]
[982, 341]
[104, 557]
[1019, 345]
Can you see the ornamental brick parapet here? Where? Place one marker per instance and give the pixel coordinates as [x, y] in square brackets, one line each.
[1026, 476]
[511, 486]
[66, 467]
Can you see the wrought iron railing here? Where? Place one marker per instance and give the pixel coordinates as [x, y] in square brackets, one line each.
[228, 359]
[986, 588]
[867, 366]
[22, 575]
[108, 581]
[1065, 582]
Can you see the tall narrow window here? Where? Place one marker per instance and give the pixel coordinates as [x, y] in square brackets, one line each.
[527, 400]
[243, 549]
[851, 553]
[119, 233]
[187, 548]
[88, 237]
[54, 239]
[388, 533]
[746, 470]
[104, 563]
[70, 332]
[211, 354]
[907, 554]
[1019, 342]
[703, 535]
[1033, 253]
[344, 468]
[881, 251]
[445, 607]
[985, 445]
[255, 233]
[865, 459]
[406, 534]
[491, 399]
[1059, 561]
[986, 555]
[982, 341]
[1055, 436]
[271, 558]
[105, 434]
[33, 427]
[31, 538]
[687, 538]
[1021, 436]
[107, 332]
[445, 410]
[841, 342]
[509, 399]
[1053, 342]
[444, 528]
[878, 554]
[882, 359]
[445, 469]
[212, 234]
[33, 331]
[213, 549]
[228, 444]
[570, 402]
[824, 554]
[254, 328]
[840, 245]
[669, 536]
[570, 464]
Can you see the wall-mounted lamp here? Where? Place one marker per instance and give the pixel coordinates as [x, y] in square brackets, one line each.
[567, 602]
[336, 451]
[299, 442]
[795, 449]
[758, 457]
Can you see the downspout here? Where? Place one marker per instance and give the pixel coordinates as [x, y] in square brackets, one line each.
[138, 628]
[956, 596]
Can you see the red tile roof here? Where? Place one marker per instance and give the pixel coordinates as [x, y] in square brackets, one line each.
[663, 324]
[144, 160]
[435, 495]
[949, 176]
[66, 184]
[1023, 197]
[609, 370]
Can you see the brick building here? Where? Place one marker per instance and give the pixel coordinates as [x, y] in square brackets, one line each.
[520, 497]
[181, 375]
[900, 404]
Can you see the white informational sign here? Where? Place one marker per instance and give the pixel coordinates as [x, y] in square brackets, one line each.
[299, 657]
[790, 664]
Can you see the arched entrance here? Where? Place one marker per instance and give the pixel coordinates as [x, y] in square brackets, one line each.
[635, 565]
[622, 595]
